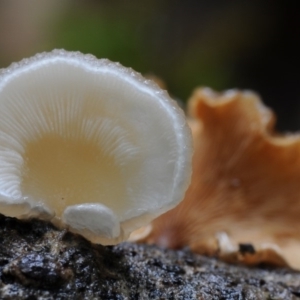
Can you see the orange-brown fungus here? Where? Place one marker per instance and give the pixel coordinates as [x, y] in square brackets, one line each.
[245, 187]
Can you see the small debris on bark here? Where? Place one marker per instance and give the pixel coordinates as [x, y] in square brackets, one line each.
[39, 261]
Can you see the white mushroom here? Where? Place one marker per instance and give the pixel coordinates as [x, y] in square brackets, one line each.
[89, 144]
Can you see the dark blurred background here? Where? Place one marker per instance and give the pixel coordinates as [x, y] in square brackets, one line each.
[188, 43]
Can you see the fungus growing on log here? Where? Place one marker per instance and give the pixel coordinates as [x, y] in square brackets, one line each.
[90, 145]
[245, 185]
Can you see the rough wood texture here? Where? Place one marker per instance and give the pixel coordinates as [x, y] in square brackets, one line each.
[38, 261]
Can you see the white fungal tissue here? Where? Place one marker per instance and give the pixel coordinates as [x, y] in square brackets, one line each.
[90, 145]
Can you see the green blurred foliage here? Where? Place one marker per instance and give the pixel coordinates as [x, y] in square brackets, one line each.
[187, 44]
[101, 36]
[139, 37]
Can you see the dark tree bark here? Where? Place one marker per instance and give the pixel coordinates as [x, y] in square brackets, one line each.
[38, 261]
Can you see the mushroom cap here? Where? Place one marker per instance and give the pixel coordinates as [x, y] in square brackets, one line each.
[90, 145]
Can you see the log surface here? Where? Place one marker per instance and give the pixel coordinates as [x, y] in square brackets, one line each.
[39, 261]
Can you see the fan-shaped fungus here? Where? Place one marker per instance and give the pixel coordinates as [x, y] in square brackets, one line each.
[90, 142]
[245, 183]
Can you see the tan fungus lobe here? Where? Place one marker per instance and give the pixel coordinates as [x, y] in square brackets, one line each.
[245, 185]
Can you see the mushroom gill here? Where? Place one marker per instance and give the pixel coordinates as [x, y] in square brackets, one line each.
[245, 184]
[89, 144]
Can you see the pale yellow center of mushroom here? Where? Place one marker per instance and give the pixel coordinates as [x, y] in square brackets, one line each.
[61, 172]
